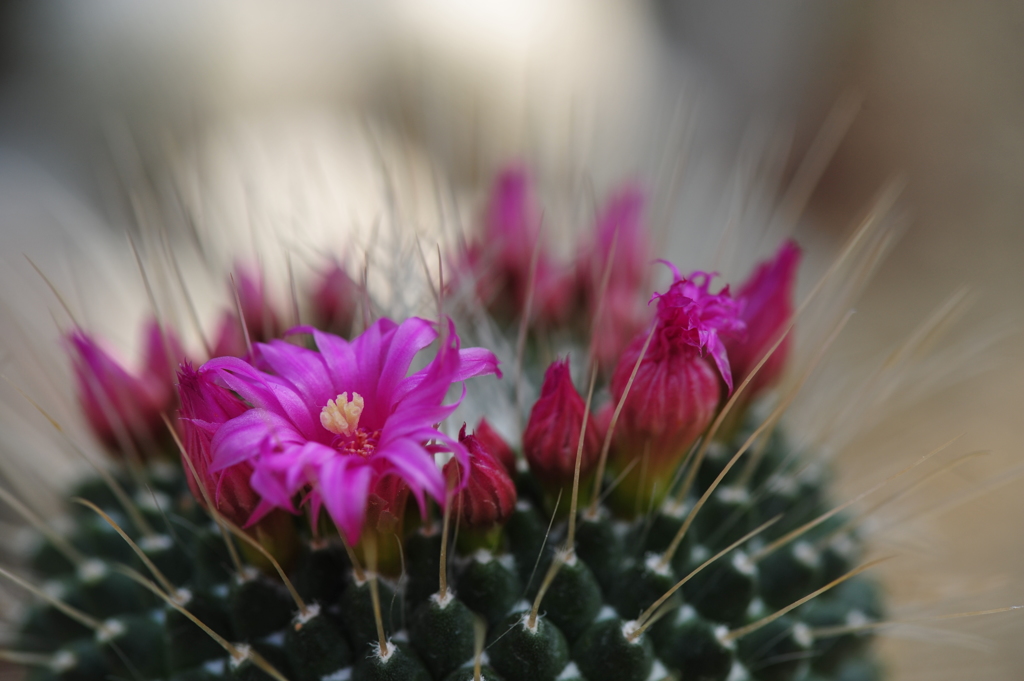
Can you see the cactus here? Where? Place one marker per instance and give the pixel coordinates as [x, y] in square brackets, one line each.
[655, 524]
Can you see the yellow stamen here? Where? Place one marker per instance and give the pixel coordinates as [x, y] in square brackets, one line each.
[340, 416]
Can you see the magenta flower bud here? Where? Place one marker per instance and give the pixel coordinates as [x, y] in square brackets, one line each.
[499, 264]
[119, 404]
[261, 321]
[205, 407]
[620, 246]
[620, 223]
[229, 340]
[512, 219]
[670, 403]
[767, 300]
[335, 300]
[622, 316]
[676, 389]
[260, 318]
[488, 495]
[494, 443]
[552, 434]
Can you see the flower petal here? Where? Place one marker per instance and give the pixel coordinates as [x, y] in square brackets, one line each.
[344, 487]
[272, 489]
[416, 466]
[475, 362]
[247, 436]
[303, 369]
[409, 338]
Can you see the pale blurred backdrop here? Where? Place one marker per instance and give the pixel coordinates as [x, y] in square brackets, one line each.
[601, 89]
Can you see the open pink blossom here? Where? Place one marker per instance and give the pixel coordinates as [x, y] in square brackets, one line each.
[767, 300]
[691, 319]
[325, 426]
[118, 403]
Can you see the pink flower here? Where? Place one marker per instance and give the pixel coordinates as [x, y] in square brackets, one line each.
[120, 404]
[621, 222]
[261, 321]
[618, 314]
[494, 443]
[335, 300]
[552, 291]
[676, 390]
[552, 434]
[622, 316]
[499, 263]
[512, 219]
[205, 406]
[229, 340]
[334, 424]
[767, 300]
[690, 320]
[489, 495]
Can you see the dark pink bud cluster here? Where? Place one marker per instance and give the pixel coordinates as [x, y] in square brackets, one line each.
[552, 434]
[124, 408]
[488, 495]
[601, 294]
[334, 300]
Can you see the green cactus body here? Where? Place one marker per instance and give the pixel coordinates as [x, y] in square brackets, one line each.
[578, 632]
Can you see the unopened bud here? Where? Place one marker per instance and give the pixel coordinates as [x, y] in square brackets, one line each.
[124, 407]
[488, 495]
[552, 434]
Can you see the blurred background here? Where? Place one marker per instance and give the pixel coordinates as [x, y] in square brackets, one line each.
[317, 96]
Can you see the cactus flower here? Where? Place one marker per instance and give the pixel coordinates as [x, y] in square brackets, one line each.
[261, 320]
[494, 443]
[335, 300]
[621, 222]
[617, 313]
[120, 404]
[552, 434]
[205, 407]
[488, 496]
[330, 424]
[500, 263]
[767, 300]
[676, 390]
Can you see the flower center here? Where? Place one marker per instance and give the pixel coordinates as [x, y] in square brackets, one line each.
[340, 416]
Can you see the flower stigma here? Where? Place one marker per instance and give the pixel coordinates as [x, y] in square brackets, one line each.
[340, 416]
